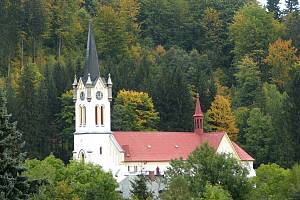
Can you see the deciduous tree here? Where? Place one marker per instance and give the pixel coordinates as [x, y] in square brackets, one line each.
[281, 58]
[203, 167]
[221, 117]
[134, 111]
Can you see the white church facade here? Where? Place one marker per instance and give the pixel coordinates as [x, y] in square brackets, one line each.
[131, 153]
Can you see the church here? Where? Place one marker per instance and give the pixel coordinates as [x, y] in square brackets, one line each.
[126, 153]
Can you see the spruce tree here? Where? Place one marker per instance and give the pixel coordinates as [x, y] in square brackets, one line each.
[291, 5]
[139, 188]
[13, 185]
[273, 6]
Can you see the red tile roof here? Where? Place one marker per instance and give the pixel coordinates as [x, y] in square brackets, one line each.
[163, 146]
[244, 156]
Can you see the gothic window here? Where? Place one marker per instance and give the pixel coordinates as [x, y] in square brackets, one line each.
[81, 156]
[102, 115]
[83, 116]
[97, 115]
[80, 115]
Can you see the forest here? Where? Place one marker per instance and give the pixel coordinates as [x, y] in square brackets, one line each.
[242, 59]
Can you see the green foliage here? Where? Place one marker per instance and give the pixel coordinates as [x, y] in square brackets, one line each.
[292, 30]
[67, 112]
[173, 99]
[139, 188]
[294, 180]
[258, 136]
[134, 111]
[273, 6]
[252, 30]
[291, 6]
[271, 183]
[248, 82]
[13, 183]
[203, 167]
[274, 182]
[27, 107]
[216, 193]
[178, 189]
[71, 182]
[292, 110]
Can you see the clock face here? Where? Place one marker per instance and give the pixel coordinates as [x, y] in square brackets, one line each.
[99, 95]
[82, 95]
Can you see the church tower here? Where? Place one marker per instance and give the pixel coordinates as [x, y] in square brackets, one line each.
[92, 97]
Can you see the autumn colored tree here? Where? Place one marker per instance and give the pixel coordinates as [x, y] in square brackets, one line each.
[221, 117]
[281, 58]
[134, 111]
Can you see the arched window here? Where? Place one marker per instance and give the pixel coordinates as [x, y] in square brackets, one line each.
[97, 115]
[83, 116]
[102, 114]
[80, 115]
[81, 156]
[100, 150]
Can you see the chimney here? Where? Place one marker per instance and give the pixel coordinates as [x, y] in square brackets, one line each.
[151, 175]
[198, 117]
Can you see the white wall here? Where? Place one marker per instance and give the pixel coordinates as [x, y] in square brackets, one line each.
[90, 126]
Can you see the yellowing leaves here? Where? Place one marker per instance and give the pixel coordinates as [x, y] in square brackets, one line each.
[221, 117]
[282, 56]
[134, 111]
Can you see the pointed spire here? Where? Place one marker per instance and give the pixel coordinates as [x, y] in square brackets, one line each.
[89, 81]
[75, 81]
[109, 82]
[198, 111]
[91, 63]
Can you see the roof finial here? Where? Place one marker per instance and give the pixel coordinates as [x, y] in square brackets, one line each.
[198, 111]
[89, 81]
[109, 82]
[75, 81]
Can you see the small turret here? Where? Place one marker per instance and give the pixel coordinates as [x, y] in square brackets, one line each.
[75, 88]
[89, 85]
[109, 85]
[198, 117]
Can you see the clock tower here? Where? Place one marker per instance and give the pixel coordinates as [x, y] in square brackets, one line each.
[92, 95]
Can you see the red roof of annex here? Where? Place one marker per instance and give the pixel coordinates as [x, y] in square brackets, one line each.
[165, 146]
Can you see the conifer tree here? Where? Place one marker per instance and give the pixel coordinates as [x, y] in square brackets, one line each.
[27, 109]
[273, 6]
[13, 185]
[139, 188]
[221, 118]
[291, 5]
